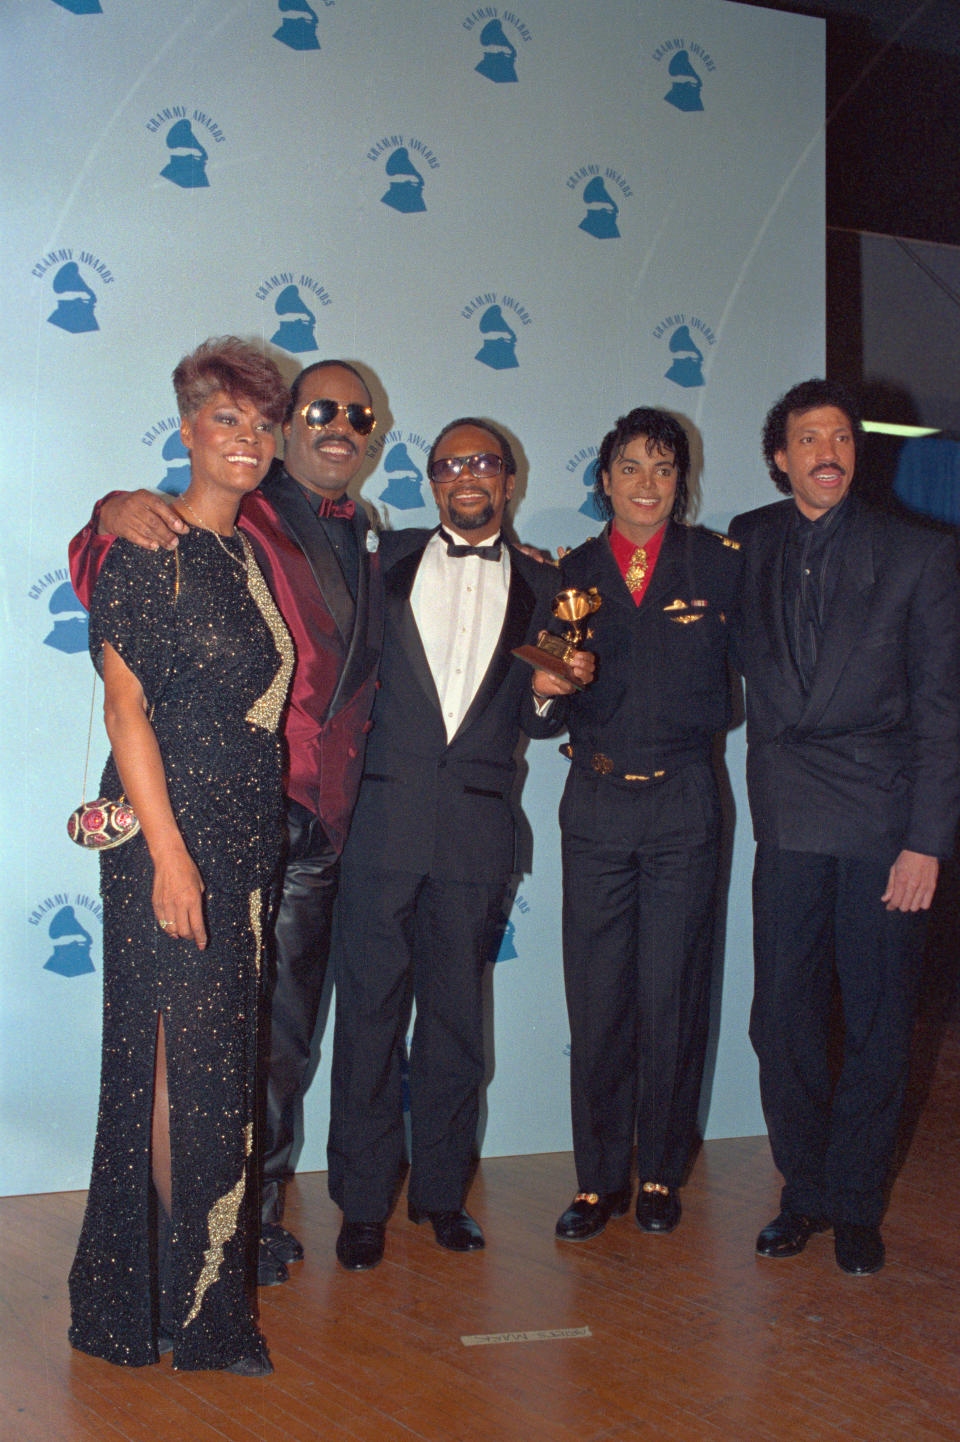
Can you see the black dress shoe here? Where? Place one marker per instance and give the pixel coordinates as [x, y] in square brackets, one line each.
[283, 1244]
[457, 1231]
[788, 1234]
[859, 1250]
[588, 1214]
[270, 1270]
[658, 1208]
[360, 1245]
[257, 1365]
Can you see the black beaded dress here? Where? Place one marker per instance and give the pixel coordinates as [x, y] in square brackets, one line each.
[199, 630]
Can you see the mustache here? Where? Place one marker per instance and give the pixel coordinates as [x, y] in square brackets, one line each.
[337, 436]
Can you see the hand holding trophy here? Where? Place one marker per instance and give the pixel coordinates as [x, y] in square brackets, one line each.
[554, 654]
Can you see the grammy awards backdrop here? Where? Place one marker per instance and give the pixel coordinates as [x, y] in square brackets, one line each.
[541, 213]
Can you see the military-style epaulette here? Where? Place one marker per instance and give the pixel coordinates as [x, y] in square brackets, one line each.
[725, 540]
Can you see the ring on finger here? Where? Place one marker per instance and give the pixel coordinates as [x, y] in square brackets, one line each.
[163, 924]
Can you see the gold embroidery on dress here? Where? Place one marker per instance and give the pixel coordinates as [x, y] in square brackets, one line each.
[256, 926]
[266, 711]
[221, 1226]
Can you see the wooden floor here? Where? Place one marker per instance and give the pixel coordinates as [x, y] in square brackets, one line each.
[690, 1336]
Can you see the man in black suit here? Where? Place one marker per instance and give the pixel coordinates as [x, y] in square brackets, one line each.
[640, 822]
[432, 847]
[849, 646]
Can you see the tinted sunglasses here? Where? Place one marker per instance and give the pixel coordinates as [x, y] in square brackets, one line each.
[321, 412]
[482, 467]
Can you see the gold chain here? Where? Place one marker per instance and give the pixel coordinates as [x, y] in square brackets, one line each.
[216, 535]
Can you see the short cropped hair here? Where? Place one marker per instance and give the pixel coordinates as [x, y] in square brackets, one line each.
[806, 396]
[662, 432]
[510, 465]
[322, 365]
[226, 363]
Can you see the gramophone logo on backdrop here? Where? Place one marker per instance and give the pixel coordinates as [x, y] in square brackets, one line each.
[406, 160]
[67, 926]
[595, 185]
[404, 464]
[292, 298]
[495, 31]
[71, 290]
[64, 621]
[492, 315]
[184, 131]
[687, 338]
[585, 462]
[80, 7]
[686, 64]
[298, 28]
[173, 455]
[506, 933]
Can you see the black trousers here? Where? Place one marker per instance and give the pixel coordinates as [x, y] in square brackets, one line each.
[399, 930]
[639, 881]
[816, 917]
[301, 947]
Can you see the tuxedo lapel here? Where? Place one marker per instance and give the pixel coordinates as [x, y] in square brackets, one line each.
[767, 549]
[293, 508]
[516, 621]
[848, 611]
[367, 618]
[398, 584]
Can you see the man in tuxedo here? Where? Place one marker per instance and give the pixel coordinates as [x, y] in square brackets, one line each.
[320, 560]
[432, 846]
[850, 647]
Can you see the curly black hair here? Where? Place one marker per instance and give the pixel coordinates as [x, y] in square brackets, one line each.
[662, 432]
[806, 396]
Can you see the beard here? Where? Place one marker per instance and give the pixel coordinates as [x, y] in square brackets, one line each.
[470, 520]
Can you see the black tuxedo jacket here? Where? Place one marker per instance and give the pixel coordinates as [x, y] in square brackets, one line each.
[426, 805]
[868, 761]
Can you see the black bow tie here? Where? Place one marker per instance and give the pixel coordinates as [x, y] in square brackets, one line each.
[486, 553]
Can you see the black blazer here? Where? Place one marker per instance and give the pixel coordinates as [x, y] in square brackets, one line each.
[868, 762]
[425, 805]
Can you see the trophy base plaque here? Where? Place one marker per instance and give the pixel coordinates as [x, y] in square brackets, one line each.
[549, 654]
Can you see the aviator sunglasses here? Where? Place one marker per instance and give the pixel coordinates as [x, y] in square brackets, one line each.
[321, 413]
[482, 467]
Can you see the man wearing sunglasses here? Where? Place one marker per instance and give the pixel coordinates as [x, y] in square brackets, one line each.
[432, 847]
[320, 560]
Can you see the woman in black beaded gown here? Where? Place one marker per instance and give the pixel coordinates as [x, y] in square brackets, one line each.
[196, 662]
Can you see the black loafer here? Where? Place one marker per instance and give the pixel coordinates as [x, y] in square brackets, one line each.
[457, 1231]
[257, 1365]
[283, 1244]
[788, 1234]
[360, 1245]
[588, 1214]
[658, 1208]
[859, 1249]
[270, 1270]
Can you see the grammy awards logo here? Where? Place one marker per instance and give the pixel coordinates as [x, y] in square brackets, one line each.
[495, 317]
[65, 623]
[688, 340]
[67, 925]
[71, 278]
[80, 7]
[595, 186]
[404, 455]
[293, 298]
[404, 161]
[184, 132]
[584, 464]
[504, 947]
[495, 33]
[298, 27]
[163, 438]
[686, 64]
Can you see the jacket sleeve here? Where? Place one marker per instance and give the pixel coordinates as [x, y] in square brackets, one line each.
[87, 552]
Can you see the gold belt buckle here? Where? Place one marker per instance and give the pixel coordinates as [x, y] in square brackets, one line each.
[602, 763]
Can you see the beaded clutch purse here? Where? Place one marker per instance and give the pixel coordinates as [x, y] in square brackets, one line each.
[102, 824]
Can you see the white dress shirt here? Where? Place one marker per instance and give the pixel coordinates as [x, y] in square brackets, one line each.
[459, 604]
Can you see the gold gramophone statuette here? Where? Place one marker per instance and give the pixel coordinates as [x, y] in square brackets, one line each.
[551, 653]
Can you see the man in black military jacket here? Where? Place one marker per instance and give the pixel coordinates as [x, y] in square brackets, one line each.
[640, 822]
[849, 647]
